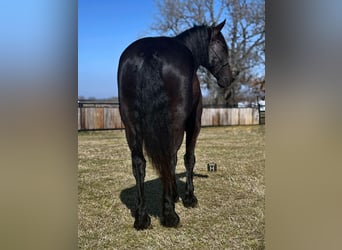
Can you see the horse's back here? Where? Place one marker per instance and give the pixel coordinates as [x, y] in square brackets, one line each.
[167, 48]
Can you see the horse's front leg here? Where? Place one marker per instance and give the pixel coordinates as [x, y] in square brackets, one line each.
[189, 199]
[142, 219]
[192, 130]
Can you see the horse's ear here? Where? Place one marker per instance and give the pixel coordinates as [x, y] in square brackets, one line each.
[217, 29]
[220, 26]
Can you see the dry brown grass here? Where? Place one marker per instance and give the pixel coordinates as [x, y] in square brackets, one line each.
[231, 201]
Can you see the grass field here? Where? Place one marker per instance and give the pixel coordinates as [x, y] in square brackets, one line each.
[231, 201]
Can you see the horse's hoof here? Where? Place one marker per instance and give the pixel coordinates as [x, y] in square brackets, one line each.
[190, 201]
[170, 220]
[142, 222]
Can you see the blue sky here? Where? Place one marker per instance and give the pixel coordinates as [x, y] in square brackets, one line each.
[105, 29]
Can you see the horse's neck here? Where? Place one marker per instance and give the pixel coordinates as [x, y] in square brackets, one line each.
[198, 45]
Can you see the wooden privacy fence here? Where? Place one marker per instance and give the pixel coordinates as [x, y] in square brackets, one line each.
[107, 116]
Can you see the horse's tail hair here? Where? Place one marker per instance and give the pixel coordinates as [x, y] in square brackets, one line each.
[154, 118]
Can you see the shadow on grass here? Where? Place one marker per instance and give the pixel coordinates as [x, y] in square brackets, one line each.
[153, 194]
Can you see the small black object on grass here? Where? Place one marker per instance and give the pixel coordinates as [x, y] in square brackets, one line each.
[212, 167]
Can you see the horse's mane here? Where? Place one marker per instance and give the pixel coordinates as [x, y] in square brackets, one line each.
[196, 39]
[193, 34]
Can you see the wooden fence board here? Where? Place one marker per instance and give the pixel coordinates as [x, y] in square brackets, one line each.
[90, 118]
[245, 116]
[233, 116]
[109, 118]
[117, 122]
[83, 118]
[99, 118]
[255, 117]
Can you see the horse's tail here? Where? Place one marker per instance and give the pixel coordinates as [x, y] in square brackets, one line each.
[154, 118]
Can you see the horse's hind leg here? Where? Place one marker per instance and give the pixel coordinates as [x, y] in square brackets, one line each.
[193, 127]
[174, 191]
[142, 219]
[169, 216]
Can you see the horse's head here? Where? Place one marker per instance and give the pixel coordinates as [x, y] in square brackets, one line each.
[218, 63]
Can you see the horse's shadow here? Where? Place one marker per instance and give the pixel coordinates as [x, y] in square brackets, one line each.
[153, 194]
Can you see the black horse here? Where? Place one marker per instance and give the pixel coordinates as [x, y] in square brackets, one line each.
[160, 98]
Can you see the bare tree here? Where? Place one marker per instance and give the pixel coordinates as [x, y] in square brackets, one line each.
[244, 32]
